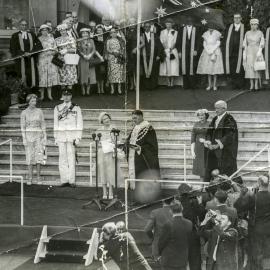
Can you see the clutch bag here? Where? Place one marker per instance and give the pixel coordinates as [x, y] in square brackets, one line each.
[71, 59]
[259, 65]
[57, 61]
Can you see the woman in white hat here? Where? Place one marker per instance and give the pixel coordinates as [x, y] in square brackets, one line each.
[253, 46]
[88, 53]
[47, 71]
[106, 160]
[66, 45]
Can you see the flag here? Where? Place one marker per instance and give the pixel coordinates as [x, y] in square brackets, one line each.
[158, 10]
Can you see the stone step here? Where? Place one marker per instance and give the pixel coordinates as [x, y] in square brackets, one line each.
[156, 113]
[164, 158]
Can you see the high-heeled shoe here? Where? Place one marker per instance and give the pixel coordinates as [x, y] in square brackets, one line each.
[215, 88]
[29, 182]
[112, 92]
[208, 88]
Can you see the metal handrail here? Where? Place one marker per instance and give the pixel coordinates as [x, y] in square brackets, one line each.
[10, 157]
[22, 194]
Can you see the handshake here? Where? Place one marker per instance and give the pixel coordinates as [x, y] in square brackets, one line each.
[209, 145]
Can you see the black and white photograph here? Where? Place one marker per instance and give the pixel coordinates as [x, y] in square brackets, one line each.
[135, 135]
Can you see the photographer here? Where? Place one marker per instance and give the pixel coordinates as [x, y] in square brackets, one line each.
[122, 248]
[194, 211]
[222, 241]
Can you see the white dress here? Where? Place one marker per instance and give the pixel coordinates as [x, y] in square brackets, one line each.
[169, 67]
[211, 58]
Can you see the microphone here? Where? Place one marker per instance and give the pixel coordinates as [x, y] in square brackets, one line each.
[99, 135]
[115, 131]
[94, 135]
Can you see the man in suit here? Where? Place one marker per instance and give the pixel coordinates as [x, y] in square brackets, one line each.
[219, 203]
[174, 241]
[222, 142]
[233, 52]
[222, 242]
[158, 218]
[77, 26]
[259, 233]
[188, 44]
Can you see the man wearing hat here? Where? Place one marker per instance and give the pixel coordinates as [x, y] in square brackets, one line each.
[68, 126]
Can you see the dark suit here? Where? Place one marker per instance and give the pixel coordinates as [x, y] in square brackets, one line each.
[158, 218]
[226, 258]
[79, 26]
[174, 243]
[223, 159]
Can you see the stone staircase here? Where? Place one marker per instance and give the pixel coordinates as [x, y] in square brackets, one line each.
[173, 132]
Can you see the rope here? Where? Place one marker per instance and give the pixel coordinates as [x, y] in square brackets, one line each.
[119, 29]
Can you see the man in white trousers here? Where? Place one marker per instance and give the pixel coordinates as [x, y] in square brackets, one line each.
[68, 126]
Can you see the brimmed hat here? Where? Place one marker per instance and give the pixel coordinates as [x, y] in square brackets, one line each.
[66, 92]
[100, 117]
[62, 26]
[254, 21]
[85, 30]
[44, 26]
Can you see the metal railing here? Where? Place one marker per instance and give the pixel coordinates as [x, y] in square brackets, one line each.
[10, 157]
[22, 194]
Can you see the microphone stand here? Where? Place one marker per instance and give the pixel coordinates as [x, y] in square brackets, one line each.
[96, 200]
[115, 201]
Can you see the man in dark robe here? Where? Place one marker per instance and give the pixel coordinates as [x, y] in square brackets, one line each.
[222, 142]
[233, 52]
[143, 149]
[150, 58]
[23, 43]
[188, 44]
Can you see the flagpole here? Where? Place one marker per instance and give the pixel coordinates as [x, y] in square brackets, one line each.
[139, 19]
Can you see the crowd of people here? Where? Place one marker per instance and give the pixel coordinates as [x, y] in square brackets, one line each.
[105, 54]
[222, 227]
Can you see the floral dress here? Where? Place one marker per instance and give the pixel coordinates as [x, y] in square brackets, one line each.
[116, 72]
[47, 71]
[34, 135]
[68, 73]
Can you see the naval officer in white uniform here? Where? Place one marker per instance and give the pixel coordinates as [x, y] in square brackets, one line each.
[68, 126]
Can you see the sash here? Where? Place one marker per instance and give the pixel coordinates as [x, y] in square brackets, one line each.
[266, 53]
[192, 47]
[64, 113]
[148, 68]
[23, 61]
[240, 55]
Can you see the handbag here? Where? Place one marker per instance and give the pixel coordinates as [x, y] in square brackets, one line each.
[71, 59]
[259, 65]
[57, 61]
[94, 61]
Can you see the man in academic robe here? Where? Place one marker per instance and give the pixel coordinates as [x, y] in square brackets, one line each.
[233, 52]
[23, 43]
[142, 149]
[267, 53]
[150, 57]
[222, 142]
[188, 44]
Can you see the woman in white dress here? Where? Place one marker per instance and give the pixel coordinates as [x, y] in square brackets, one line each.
[34, 136]
[170, 66]
[106, 160]
[211, 62]
[253, 46]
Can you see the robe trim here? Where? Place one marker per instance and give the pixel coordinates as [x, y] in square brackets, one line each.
[267, 53]
[148, 68]
[192, 47]
[23, 61]
[240, 55]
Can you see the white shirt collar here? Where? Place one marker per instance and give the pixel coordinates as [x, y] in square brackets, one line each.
[237, 26]
[178, 215]
[221, 116]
